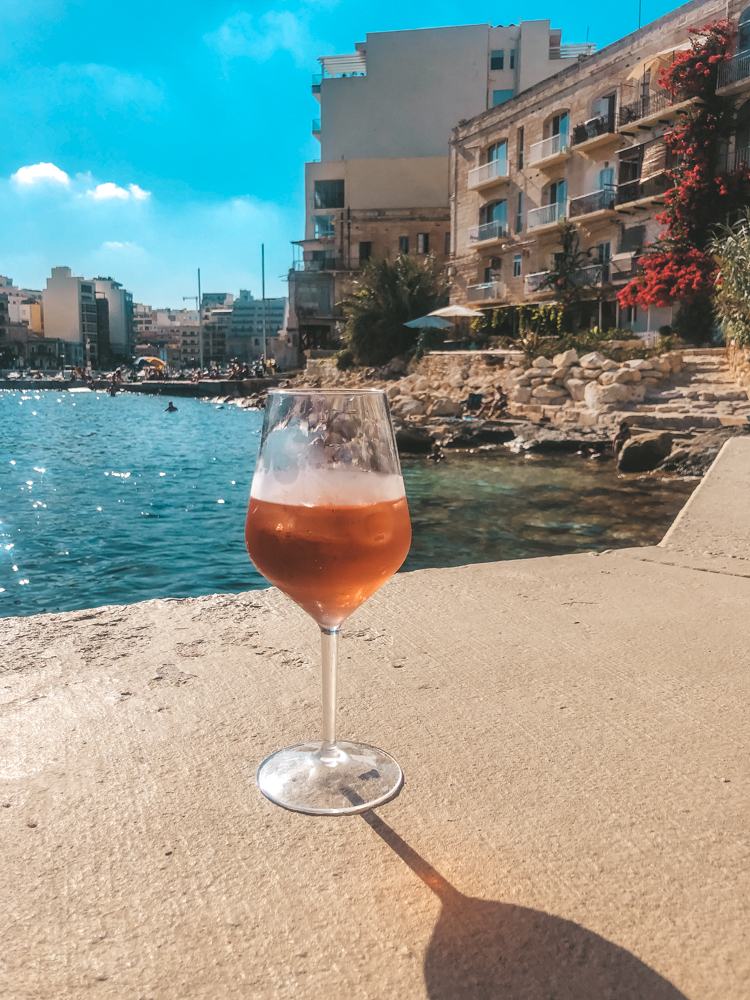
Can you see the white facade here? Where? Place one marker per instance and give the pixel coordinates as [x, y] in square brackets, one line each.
[67, 306]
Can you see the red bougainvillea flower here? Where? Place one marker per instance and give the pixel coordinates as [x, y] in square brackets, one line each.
[668, 277]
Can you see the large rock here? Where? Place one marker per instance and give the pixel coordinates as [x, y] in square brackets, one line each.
[619, 375]
[421, 384]
[597, 395]
[406, 406]
[575, 387]
[566, 359]
[639, 364]
[661, 365]
[393, 391]
[549, 393]
[593, 360]
[645, 452]
[445, 408]
[609, 365]
[542, 362]
[520, 394]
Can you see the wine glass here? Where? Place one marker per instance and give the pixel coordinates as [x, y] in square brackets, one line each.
[328, 524]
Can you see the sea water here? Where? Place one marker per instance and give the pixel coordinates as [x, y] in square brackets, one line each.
[112, 500]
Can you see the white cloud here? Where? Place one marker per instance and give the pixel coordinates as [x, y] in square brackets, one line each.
[261, 38]
[126, 247]
[109, 191]
[105, 192]
[40, 172]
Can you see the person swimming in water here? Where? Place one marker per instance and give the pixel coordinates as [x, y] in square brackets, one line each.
[171, 408]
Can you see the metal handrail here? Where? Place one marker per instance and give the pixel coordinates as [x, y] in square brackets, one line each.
[592, 275]
[595, 201]
[533, 282]
[549, 147]
[487, 172]
[735, 69]
[327, 264]
[316, 124]
[650, 103]
[489, 290]
[545, 215]
[488, 231]
[600, 125]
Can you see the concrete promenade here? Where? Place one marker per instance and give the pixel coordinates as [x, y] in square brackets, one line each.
[575, 823]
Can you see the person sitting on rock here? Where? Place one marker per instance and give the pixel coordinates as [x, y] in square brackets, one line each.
[495, 407]
[620, 438]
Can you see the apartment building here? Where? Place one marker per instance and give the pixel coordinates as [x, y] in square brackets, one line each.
[121, 344]
[70, 316]
[250, 318]
[386, 113]
[585, 145]
[24, 305]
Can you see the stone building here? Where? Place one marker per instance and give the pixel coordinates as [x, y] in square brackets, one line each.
[386, 114]
[586, 145]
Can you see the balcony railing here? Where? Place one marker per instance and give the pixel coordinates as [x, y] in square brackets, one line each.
[316, 125]
[487, 172]
[648, 104]
[636, 190]
[591, 129]
[734, 71]
[326, 264]
[533, 282]
[489, 231]
[316, 81]
[548, 148]
[588, 276]
[623, 270]
[489, 291]
[572, 51]
[545, 215]
[596, 201]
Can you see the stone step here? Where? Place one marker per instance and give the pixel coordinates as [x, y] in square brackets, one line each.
[674, 421]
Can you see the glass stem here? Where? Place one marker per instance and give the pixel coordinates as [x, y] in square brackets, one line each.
[329, 641]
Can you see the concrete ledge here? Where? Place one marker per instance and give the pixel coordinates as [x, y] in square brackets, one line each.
[574, 822]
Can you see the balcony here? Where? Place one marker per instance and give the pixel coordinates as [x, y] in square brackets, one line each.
[641, 194]
[316, 127]
[490, 232]
[587, 277]
[597, 203]
[650, 109]
[550, 151]
[572, 51]
[490, 291]
[595, 132]
[624, 269]
[324, 264]
[545, 216]
[533, 282]
[494, 172]
[316, 82]
[734, 75]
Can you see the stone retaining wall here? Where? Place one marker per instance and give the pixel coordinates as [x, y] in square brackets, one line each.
[739, 364]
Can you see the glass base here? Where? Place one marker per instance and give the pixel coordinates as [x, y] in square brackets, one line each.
[348, 779]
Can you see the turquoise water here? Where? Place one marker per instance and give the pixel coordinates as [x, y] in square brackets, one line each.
[111, 501]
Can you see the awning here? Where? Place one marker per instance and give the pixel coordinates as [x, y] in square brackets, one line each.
[656, 60]
[654, 160]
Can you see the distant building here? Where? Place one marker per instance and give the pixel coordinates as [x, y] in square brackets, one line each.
[216, 300]
[120, 310]
[144, 322]
[70, 316]
[386, 113]
[244, 339]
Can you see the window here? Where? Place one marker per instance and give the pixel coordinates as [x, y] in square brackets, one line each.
[500, 96]
[403, 244]
[519, 140]
[447, 242]
[323, 226]
[423, 242]
[329, 194]
[517, 265]
[558, 126]
[558, 193]
[603, 253]
[487, 275]
[497, 59]
[519, 213]
[512, 58]
[496, 211]
[497, 151]
[365, 251]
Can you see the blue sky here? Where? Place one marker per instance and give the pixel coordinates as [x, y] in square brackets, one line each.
[177, 130]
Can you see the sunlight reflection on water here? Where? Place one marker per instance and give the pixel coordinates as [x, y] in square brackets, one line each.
[116, 503]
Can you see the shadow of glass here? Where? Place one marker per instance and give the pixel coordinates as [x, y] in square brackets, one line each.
[484, 950]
